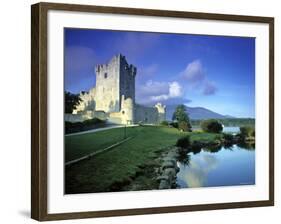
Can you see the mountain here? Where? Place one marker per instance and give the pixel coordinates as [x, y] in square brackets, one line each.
[196, 113]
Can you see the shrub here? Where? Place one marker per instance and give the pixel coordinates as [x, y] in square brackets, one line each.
[253, 133]
[175, 124]
[73, 127]
[71, 101]
[196, 147]
[211, 125]
[247, 131]
[92, 121]
[228, 137]
[183, 142]
[164, 123]
[184, 126]
[82, 126]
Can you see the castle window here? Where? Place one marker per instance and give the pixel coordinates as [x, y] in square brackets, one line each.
[123, 112]
[105, 75]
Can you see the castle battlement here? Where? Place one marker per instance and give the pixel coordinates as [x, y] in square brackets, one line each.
[117, 60]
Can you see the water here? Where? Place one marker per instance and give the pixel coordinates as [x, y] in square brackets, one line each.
[218, 166]
[231, 129]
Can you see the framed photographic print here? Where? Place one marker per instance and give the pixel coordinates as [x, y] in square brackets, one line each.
[139, 111]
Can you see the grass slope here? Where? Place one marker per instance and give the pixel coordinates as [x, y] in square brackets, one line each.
[77, 146]
[109, 170]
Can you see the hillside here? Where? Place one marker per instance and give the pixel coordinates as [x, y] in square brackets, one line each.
[196, 113]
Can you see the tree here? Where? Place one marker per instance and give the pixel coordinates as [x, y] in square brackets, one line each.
[181, 117]
[183, 125]
[211, 125]
[70, 101]
[247, 131]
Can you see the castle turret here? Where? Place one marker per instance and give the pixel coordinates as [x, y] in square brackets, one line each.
[161, 112]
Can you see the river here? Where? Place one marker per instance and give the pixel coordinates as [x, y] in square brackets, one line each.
[218, 166]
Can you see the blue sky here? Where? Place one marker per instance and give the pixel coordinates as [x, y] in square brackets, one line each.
[214, 72]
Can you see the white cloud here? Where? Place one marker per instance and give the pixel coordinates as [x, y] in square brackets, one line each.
[175, 90]
[194, 72]
[197, 79]
[153, 88]
[166, 92]
[196, 173]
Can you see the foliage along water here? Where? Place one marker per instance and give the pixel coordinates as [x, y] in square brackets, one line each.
[218, 166]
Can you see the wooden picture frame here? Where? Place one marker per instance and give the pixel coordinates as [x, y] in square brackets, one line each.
[39, 109]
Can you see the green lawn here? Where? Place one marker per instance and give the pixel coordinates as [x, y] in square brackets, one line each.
[105, 171]
[203, 136]
[77, 146]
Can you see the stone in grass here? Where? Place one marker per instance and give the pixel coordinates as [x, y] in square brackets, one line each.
[164, 184]
[162, 177]
[170, 172]
[168, 164]
[172, 154]
[170, 160]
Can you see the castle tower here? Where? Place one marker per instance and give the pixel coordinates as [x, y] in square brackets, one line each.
[161, 112]
[113, 80]
[127, 110]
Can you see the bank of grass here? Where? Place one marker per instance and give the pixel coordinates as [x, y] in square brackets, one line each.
[204, 137]
[195, 141]
[113, 169]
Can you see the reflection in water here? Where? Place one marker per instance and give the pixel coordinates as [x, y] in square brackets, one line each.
[184, 158]
[247, 145]
[228, 146]
[218, 166]
[198, 170]
[212, 149]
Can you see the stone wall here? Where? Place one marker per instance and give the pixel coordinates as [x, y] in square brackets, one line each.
[125, 115]
[147, 115]
[87, 101]
[85, 115]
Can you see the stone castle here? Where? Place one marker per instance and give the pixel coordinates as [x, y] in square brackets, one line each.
[113, 97]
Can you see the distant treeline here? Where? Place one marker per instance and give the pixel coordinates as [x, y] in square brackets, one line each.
[230, 122]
